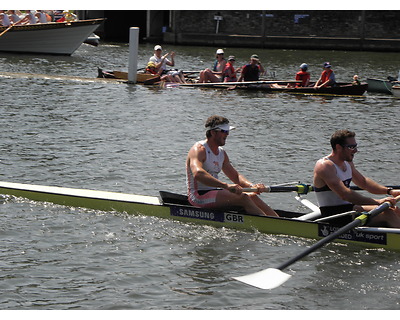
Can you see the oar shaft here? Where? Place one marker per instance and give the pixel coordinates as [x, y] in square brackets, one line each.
[322, 242]
[361, 220]
[300, 188]
[358, 188]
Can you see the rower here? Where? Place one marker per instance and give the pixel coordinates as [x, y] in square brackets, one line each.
[327, 77]
[4, 19]
[332, 177]
[205, 161]
[303, 75]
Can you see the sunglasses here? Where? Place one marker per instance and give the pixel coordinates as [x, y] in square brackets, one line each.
[223, 131]
[350, 146]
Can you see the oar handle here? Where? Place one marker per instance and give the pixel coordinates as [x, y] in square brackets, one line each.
[300, 189]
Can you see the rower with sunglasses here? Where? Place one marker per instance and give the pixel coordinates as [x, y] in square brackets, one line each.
[332, 177]
[205, 161]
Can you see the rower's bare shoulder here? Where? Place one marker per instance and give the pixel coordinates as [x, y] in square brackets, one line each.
[323, 165]
[198, 151]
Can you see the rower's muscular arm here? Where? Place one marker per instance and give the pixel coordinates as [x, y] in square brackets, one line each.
[367, 183]
[233, 175]
[325, 174]
[196, 158]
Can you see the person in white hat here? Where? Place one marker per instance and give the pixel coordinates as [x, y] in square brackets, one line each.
[160, 61]
[214, 74]
[205, 161]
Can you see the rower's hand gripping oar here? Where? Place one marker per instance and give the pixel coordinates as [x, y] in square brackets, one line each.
[300, 189]
[274, 277]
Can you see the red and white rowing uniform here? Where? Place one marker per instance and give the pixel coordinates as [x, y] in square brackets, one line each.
[200, 195]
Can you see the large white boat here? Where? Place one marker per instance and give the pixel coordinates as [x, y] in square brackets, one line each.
[60, 38]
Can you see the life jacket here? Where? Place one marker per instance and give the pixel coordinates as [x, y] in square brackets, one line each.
[303, 76]
[326, 75]
[231, 77]
[152, 71]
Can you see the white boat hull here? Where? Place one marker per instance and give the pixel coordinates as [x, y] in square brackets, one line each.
[48, 38]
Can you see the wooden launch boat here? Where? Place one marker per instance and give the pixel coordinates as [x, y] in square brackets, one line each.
[144, 78]
[346, 89]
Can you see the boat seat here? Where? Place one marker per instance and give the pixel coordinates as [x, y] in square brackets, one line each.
[174, 198]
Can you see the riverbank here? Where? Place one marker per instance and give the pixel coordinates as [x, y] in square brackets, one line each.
[283, 42]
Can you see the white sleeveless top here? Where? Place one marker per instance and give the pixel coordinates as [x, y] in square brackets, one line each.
[325, 196]
[212, 164]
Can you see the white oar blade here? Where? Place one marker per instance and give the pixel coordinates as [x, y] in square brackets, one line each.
[266, 279]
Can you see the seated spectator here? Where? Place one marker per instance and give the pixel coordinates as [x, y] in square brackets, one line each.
[230, 71]
[214, 74]
[160, 61]
[170, 76]
[252, 70]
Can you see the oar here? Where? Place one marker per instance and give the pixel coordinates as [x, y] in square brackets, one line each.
[300, 189]
[10, 27]
[358, 188]
[274, 277]
[6, 30]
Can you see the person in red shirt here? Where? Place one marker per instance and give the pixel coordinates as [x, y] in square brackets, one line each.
[230, 71]
[303, 75]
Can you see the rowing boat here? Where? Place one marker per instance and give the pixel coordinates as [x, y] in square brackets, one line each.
[381, 86]
[145, 78]
[271, 86]
[176, 207]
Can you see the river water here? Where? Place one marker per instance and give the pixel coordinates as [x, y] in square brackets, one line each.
[134, 139]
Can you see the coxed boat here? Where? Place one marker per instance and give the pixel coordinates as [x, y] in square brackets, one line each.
[58, 38]
[271, 86]
[176, 207]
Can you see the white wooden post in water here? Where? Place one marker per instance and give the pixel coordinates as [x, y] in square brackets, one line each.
[133, 54]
